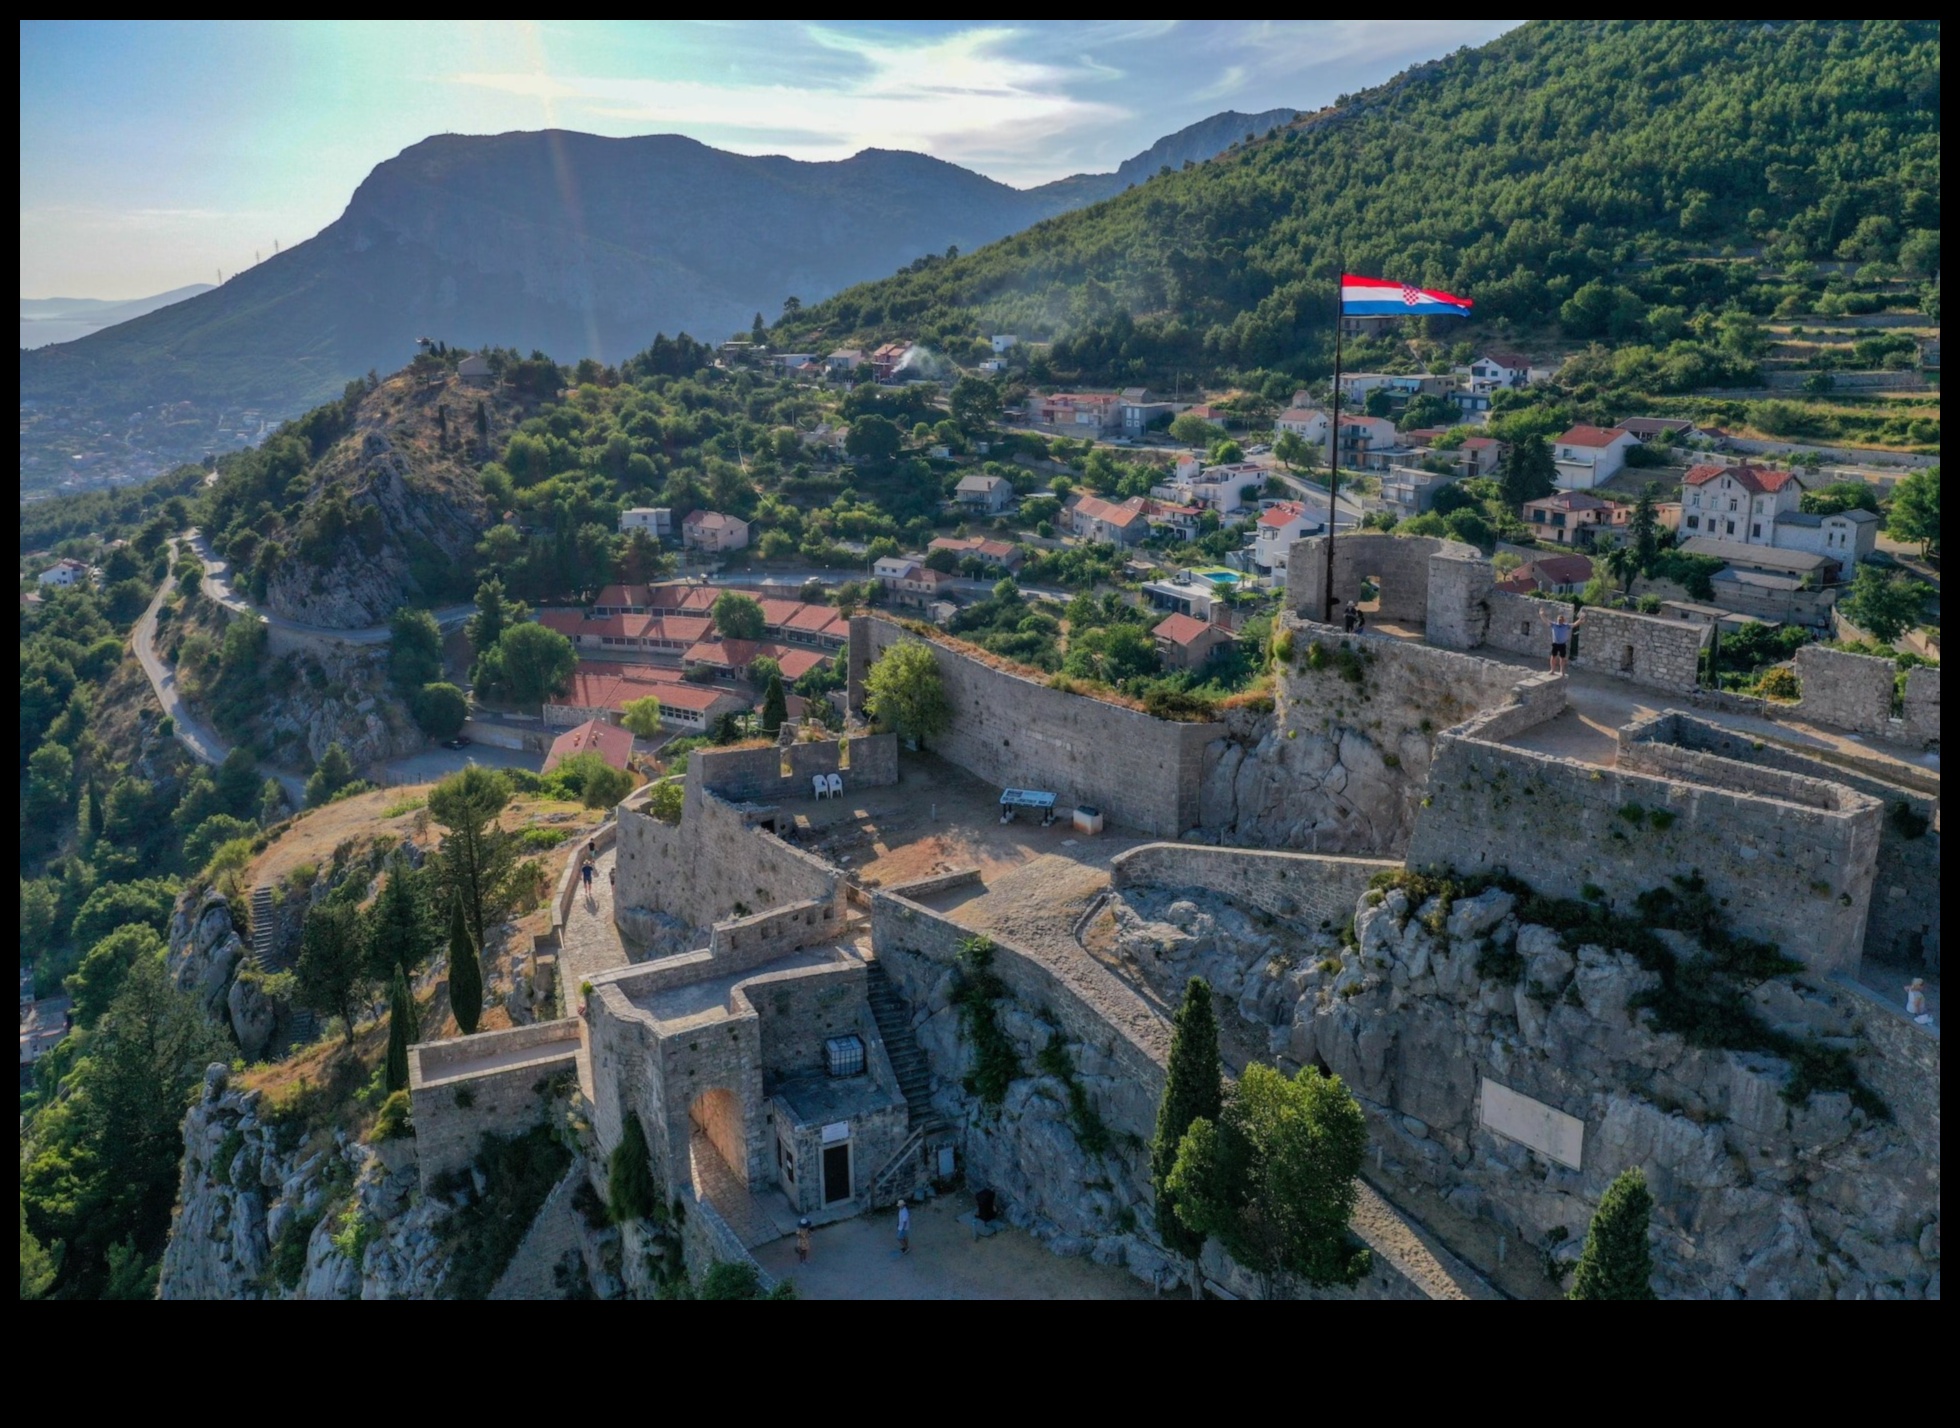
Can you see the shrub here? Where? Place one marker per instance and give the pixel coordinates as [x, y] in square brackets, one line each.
[392, 1122]
[1780, 685]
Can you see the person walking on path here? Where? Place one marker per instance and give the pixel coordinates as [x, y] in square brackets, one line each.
[904, 1228]
[803, 1240]
[585, 872]
[1562, 627]
[1347, 617]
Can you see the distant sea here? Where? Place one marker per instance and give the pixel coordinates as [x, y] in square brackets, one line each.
[47, 331]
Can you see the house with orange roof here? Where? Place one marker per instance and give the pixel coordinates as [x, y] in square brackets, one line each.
[1589, 456]
[1280, 525]
[1117, 522]
[1186, 643]
[609, 741]
[713, 531]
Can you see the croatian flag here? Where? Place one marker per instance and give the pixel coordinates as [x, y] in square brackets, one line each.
[1377, 297]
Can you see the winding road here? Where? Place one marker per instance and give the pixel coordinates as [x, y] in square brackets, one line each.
[202, 743]
[216, 585]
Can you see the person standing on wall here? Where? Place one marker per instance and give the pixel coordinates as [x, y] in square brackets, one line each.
[904, 1228]
[1562, 627]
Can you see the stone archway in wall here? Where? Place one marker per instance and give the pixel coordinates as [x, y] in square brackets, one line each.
[717, 1115]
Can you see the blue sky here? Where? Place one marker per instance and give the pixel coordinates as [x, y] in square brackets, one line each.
[154, 154]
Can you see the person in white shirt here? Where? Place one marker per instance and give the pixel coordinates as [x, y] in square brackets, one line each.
[904, 1228]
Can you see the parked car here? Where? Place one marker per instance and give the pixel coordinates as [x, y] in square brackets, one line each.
[461, 741]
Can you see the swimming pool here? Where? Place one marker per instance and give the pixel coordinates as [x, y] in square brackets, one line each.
[1220, 577]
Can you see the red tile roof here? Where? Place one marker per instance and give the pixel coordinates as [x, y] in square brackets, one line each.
[1282, 514]
[1760, 480]
[594, 736]
[1180, 629]
[1115, 513]
[1583, 435]
[1561, 569]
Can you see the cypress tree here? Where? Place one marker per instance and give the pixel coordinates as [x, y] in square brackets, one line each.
[775, 706]
[1616, 1263]
[629, 1174]
[465, 975]
[1193, 1091]
[403, 1031]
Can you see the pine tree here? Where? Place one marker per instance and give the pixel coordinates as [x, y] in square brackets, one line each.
[629, 1174]
[465, 975]
[1192, 1091]
[1616, 1263]
[403, 1032]
[775, 707]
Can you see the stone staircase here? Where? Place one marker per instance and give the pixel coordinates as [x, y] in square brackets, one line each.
[268, 956]
[894, 1020]
[552, 1240]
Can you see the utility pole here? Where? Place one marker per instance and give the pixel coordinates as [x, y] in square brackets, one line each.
[1333, 452]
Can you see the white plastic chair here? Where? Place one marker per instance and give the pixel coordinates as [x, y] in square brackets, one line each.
[836, 785]
[822, 788]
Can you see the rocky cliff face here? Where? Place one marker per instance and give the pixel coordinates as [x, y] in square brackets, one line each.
[261, 1218]
[395, 505]
[1757, 1194]
[339, 695]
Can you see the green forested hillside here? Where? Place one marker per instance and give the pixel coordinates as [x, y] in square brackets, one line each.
[1579, 172]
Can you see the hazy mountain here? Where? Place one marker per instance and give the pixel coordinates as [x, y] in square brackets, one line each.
[578, 245]
[58, 319]
[1196, 143]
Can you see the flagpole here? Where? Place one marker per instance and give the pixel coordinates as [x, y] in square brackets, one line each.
[1333, 454]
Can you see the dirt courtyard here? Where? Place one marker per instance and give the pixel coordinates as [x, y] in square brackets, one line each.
[934, 820]
[858, 1258]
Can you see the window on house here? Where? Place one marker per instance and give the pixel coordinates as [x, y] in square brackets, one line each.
[1756, 531]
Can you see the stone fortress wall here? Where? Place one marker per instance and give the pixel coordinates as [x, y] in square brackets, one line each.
[1143, 773]
[492, 1083]
[1791, 858]
[1447, 590]
[1903, 927]
[1309, 889]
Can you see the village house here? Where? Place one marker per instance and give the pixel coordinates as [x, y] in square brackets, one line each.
[656, 521]
[1550, 575]
[601, 690]
[1117, 522]
[1186, 522]
[475, 371]
[1589, 456]
[1221, 488]
[1574, 517]
[1401, 387]
[1739, 503]
[1280, 525]
[1001, 341]
[1003, 553]
[1409, 491]
[1182, 594]
[1307, 423]
[787, 362]
[919, 586]
[1368, 443]
[1137, 410]
[1662, 429]
[1094, 411]
[595, 736]
[713, 531]
[987, 495]
[1499, 370]
[887, 359]
[1184, 643]
[844, 361]
[66, 571]
[1479, 455]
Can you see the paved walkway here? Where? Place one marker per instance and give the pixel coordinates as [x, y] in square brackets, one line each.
[719, 1186]
[589, 942]
[858, 1258]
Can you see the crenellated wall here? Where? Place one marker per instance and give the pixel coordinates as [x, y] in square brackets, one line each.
[784, 772]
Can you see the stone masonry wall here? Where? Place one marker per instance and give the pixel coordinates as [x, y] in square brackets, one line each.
[1398, 564]
[1308, 889]
[1341, 764]
[504, 1101]
[1904, 924]
[712, 865]
[1905, 1065]
[1850, 691]
[801, 1009]
[1661, 654]
[1922, 722]
[758, 775]
[1798, 876]
[1143, 773]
